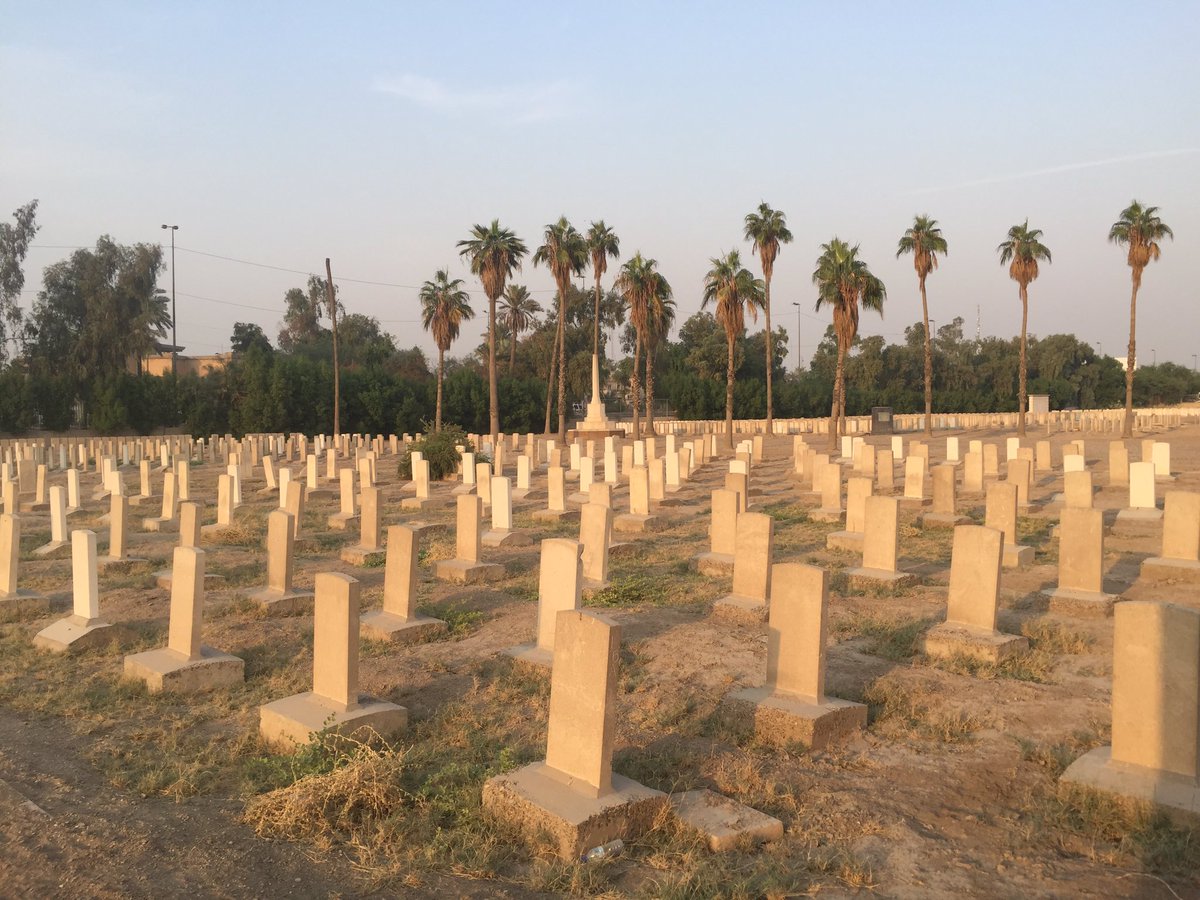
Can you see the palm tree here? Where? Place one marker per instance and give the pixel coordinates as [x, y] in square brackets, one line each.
[639, 282]
[564, 252]
[844, 282]
[602, 243]
[660, 316]
[444, 306]
[924, 241]
[733, 289]
[767, 229]
[518, 313]
[495, 253]
[1022, 250]
[1140, 229]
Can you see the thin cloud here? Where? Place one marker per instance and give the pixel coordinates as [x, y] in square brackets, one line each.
[522, 103]
[1058, 170]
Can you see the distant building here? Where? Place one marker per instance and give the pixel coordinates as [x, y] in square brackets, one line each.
[160, 362]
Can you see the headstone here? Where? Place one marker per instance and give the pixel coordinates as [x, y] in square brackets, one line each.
[595, 534]
[751, 570]
[880, 546]
[467, 566]
[970, 626]
[398, 620]
[560, 583]
[722, 531]
[185, 665]
[1081, 564]
[83, 629]
[1155, 751]
[792, 707]
[334, 704]
[573, 795]
[280, 597]
[1180, 559]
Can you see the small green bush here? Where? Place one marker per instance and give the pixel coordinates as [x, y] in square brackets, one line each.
[440, 450]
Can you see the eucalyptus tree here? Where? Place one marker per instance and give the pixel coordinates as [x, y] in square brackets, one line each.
[444, 307]
[494, 253]
[734, 291]
[1022, 250]
[1140, 229]
[924, 241]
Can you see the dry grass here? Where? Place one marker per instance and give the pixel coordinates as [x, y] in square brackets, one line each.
[898, 714]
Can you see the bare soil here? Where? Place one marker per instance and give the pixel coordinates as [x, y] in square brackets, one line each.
[950, 792]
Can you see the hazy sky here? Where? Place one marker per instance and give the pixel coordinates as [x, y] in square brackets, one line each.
[377, 134]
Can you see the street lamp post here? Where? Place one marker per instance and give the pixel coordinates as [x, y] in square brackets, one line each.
[1154, 354]
[1100, 347]
[1193, 363]
[798, 360]
[174, 342]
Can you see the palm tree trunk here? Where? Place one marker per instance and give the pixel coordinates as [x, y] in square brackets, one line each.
[437, 416]
[512, 351]
[650, 390]
[493, 394]
[550, 382]
[729, 390]
[1021, 402]
[562, 364]
[767, 340]
[928, 364]
[1127, 427]
[635, 385]
[596, 322]
[839, 387]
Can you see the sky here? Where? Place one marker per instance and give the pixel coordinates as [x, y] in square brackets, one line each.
[377, 134]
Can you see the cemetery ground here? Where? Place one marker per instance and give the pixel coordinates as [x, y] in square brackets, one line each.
[106, 790]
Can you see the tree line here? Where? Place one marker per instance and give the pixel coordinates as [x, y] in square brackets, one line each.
[101, 307]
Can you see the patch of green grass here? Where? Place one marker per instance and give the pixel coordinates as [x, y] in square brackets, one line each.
[892, 638]
[459, 620]
[896, 712]
[786, 513]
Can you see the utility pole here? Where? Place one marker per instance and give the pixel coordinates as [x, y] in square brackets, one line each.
[329, 292]
[978, 324]
[798, 351]
[174, 341]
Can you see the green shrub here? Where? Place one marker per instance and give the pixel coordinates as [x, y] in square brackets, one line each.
[439, 449]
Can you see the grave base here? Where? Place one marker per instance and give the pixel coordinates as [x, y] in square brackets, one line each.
[844, 540]
[340, 522]
[380, 625]
[527, 494]
[826, 515]
[463, 489]
[631, 523]
[870, 578]
[1175, 794]
[52, 547]
[102, 562]
[591, 587]
[283, 603]
[622, 549]
[160, 524]
[727, 824]
[423, 528]
[540, 801]
[1137, 519]
[912, 503]
[1017, 556]
[162, 579]
[1080, 603]
[506, 538]
[362, 556]
[556, 515]
[781, 720]
[1161, 569]
[943, 520]
[714, 565]
[166, 670]
[76, 634]
[459, 571]
[318, 494]
[294, 720]
[948, 640]
[26, 602]
[740, 610]
[532, 655]
[420, 503]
